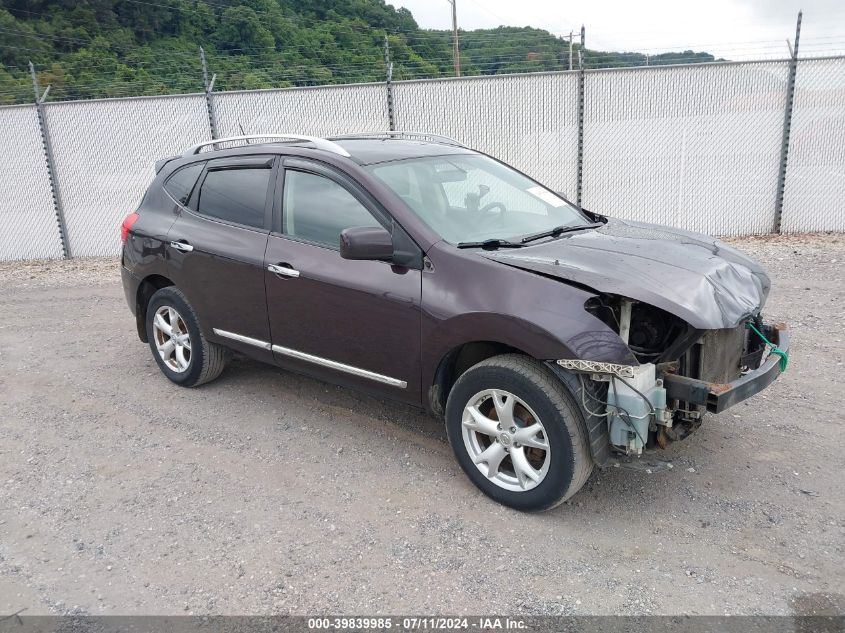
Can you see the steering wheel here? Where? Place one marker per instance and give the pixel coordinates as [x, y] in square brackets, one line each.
[487, 215]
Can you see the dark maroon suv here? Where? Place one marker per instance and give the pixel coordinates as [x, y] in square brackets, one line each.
[550, 338]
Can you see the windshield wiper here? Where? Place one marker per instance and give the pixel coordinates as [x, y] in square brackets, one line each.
[559, 230]
[492, 243]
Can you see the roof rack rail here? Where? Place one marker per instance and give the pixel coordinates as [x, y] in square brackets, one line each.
[319, 143]
[437, 138]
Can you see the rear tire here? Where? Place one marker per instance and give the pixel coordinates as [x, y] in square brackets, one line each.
[177, 343]
[492, 415]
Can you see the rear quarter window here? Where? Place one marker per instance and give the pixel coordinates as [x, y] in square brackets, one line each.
[181, 183]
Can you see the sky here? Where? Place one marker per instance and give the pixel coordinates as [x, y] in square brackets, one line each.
[734, 29]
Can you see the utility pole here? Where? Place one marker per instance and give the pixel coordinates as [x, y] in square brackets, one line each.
[583, 36]
[456, 52]
[570, 50]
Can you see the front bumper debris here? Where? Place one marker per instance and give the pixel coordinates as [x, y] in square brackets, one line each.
[717, 397]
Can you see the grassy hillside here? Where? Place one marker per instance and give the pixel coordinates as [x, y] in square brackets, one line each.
[104, 48]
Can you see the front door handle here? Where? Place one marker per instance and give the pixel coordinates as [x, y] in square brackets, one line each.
[182, 246]
[283, 269]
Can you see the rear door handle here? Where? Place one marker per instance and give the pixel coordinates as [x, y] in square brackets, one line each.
[283, 269]
[182, 246]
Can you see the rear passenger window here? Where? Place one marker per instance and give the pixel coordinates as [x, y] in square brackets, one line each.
[318, 209]
[181, 182]
[235, 195]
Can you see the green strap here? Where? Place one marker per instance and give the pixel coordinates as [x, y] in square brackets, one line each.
[784, 357]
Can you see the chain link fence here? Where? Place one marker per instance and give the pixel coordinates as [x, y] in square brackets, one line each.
[320, 111]
[28, 225]
[814, 199]
[694, 146]
[104, 152]
[528, 121]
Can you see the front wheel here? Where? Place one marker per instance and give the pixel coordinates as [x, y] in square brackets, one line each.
[518, 433]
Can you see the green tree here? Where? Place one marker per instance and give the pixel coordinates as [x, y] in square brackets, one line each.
[98, 48]
[242, 30]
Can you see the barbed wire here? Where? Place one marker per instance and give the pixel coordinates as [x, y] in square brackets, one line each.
[117, 89]
[161, 86]
[506, 53]
[376, 67]
[496, 57]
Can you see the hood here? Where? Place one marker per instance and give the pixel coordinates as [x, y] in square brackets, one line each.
[703, 281]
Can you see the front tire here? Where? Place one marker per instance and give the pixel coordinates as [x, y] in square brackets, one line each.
[177, 343]
[518, 433]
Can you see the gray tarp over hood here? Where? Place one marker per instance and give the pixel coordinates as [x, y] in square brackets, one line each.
[697, 278]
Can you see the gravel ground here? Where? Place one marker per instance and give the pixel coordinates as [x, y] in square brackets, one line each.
[267, 492]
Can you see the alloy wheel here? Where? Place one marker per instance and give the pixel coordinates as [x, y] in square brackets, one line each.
[506, 440]
[172, 339]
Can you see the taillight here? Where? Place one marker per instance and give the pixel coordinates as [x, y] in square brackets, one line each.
[127, 225]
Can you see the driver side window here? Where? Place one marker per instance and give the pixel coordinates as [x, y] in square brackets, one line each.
[317, 209]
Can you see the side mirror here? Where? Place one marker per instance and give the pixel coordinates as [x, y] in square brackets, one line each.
[366, 242]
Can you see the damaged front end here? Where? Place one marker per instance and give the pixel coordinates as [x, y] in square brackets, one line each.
[687, 306]
[683, 373]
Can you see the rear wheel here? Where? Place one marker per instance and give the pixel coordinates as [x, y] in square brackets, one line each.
[518, 433]
[177, 343]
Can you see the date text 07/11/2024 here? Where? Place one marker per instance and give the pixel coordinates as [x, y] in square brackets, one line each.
[417, 623]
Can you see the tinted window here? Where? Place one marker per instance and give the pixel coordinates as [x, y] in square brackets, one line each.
[235, 195]
[182, 182]
[318, 209]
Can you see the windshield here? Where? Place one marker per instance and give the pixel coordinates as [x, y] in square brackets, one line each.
[472, 198]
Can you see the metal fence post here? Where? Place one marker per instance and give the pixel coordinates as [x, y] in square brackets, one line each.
[580, 156]
[388, 69]
[51, 161]
[209, 101]
[787, 125]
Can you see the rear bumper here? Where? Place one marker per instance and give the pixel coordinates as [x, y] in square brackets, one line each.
[717, 397]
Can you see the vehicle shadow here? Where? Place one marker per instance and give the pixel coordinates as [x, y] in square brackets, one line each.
[319, 394]
[652, 480]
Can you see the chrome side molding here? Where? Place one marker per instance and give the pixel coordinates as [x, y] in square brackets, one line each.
[349, 369]
[242, 339]
[317, 360]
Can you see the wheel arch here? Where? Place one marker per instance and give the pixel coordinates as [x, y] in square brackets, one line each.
[146, 289]
[455, 362]
[456, 344]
